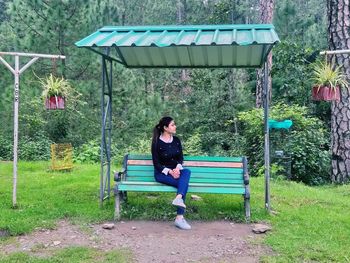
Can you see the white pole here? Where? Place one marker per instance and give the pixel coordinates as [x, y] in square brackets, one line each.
[32, 55]
[17, 72]
[15, 132]
[332, 52]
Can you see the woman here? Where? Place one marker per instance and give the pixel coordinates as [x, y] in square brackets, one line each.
[167, 160]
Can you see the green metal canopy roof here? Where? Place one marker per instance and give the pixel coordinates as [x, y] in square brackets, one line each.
[200, 46]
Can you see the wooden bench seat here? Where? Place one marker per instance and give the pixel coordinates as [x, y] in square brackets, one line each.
[214, 175]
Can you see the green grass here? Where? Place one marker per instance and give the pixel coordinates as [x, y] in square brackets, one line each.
[72, 254]
[312, 224]
[44, 196]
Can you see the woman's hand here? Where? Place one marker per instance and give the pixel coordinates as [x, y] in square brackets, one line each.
[175, 173]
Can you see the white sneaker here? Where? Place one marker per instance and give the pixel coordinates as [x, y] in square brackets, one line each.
[179, 202]
[182, 224]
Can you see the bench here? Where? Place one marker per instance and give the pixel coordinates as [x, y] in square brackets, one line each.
[214, 175]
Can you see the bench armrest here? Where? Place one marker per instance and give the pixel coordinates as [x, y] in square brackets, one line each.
[118, 176]
[245, 171]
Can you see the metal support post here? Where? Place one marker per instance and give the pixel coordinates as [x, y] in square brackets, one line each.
[15, 131]
[267, 138]
[17, 71]
[106, 129]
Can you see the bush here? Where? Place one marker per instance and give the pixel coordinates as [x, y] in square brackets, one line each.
[88, 152]
[34, 149]
[6, 149]
[306, 142]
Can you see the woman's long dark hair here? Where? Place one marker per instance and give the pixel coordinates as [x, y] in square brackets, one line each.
[159, 128]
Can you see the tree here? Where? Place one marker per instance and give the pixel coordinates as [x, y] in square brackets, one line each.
[338, 39]
[266, 16]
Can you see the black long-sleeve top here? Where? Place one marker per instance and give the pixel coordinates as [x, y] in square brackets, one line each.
[167, 155]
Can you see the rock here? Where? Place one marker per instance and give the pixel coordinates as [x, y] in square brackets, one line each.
[261, 228]
[196, 197]
[274, 212]
[56, 243]
[133, 228]
[108, 226]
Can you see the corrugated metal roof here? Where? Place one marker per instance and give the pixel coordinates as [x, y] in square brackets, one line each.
[186, 46]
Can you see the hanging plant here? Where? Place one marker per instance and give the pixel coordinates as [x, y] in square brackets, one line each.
[328, 82]
[55, 91]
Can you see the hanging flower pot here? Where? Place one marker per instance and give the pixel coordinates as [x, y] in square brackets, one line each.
[324, 93]
[327, 82]
[55, 92]
[55, 103]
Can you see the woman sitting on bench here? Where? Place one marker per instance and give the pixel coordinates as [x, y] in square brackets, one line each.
[167, 159]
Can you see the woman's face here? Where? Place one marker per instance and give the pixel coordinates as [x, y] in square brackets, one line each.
[171, 128]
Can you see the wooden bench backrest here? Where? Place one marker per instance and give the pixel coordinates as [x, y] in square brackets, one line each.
[204, 169]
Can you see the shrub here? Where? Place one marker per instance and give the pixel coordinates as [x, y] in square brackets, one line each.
[306, 142]
[34, 149]
[88, 152]
[6, 148]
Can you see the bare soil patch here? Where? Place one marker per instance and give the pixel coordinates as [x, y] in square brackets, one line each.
[218, 241]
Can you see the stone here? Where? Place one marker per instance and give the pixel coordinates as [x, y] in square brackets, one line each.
[108, 226]
[196, 197]
[56, 243]
[133, 228]
[261, 228]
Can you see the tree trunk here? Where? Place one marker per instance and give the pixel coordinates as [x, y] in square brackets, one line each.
[339, 39]
[266, 16]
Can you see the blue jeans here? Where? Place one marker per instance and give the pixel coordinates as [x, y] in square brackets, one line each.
[180, 183]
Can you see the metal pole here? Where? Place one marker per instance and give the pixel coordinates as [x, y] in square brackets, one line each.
[267, 139]
[32, 55]
[15, 132]
[102, 128]
[333, 52]
[17, 72]
[109, 126]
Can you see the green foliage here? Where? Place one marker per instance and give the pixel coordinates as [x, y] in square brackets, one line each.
[303, 22]
[55, 86]
[29, 148]
[291, 73]
[306, 142]
[37, 148]
[88, 152]
[325, 75]
[6, 148]
[193, 145]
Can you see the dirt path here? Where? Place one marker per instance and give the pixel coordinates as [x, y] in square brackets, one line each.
[149, 241]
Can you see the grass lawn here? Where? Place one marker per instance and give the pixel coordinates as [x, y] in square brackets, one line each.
[312, 224]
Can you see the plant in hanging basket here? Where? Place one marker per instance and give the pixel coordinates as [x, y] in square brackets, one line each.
[55, 91]
[327, 81]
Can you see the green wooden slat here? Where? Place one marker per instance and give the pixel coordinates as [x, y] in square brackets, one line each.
[190, 184]
[191, 189]
[193, 180]
[192, 158]
[193, 169]
[193, 175]
[213, 159]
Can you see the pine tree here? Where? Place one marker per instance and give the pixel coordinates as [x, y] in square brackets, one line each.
[338, 30]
